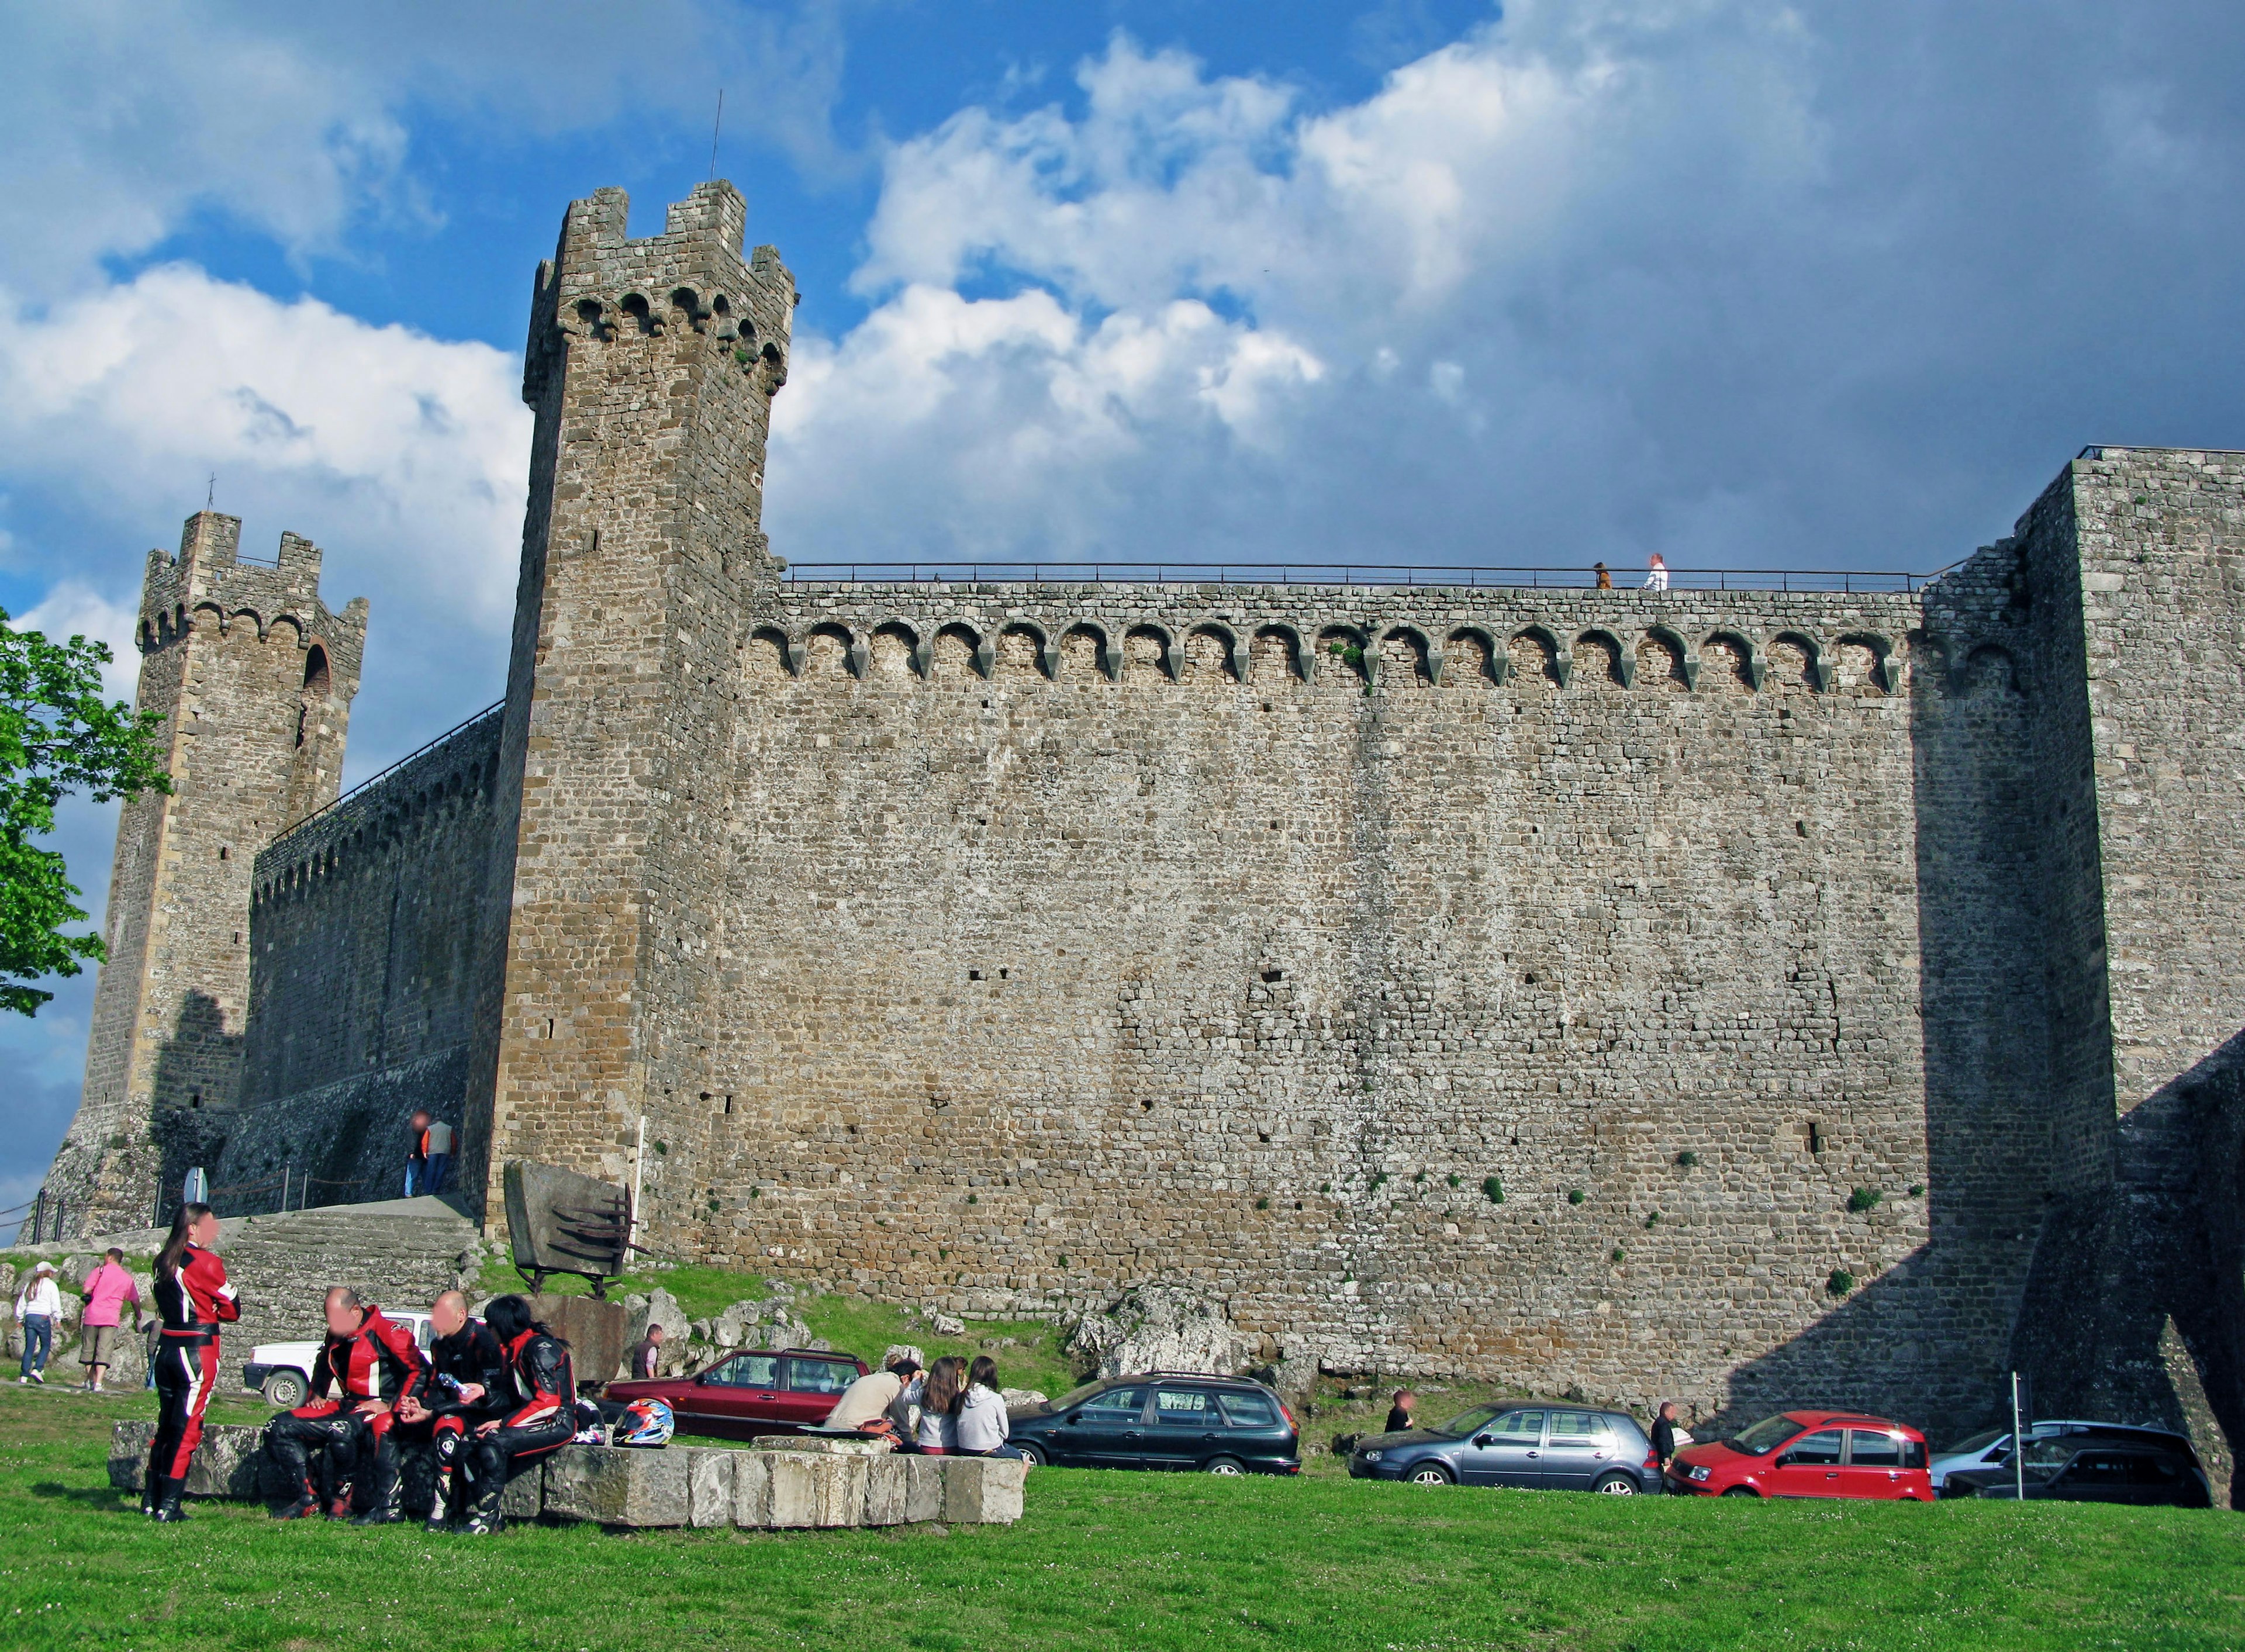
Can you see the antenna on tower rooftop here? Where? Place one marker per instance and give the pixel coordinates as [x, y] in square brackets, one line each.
[210, 493]
[716, 127]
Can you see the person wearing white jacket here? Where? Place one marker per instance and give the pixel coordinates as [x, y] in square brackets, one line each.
[983, 1428]
[38, 1305]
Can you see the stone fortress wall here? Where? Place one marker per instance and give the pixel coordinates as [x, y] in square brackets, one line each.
[1830, 984]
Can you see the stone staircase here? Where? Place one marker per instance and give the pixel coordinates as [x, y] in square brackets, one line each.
[399, 1253]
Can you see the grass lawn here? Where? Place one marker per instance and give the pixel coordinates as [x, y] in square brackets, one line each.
[1114, 1560]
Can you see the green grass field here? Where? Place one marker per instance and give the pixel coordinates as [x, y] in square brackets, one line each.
[1113, 1559]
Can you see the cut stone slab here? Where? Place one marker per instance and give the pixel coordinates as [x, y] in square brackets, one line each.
[524, 1497]
[982, 1490]
[923, 1488]
[617, 1486]
[812, 1488]
[832, 1445]
[230, 1460]
[752, 1489]
[710, 1491]
[888, 1481]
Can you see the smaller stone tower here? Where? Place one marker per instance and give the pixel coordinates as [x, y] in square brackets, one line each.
[254, 675]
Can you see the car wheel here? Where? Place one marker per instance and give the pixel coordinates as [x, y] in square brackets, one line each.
[1224, 1465]
[1430, 1474]
[1742, 1491]
[285, 1390]
[1032, 1455]
[1617, 1486]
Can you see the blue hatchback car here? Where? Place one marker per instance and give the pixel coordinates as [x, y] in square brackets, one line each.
[1561, 1448]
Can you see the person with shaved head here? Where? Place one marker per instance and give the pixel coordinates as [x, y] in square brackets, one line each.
[465, 1366]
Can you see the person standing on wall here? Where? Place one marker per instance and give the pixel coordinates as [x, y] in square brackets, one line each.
[435, 1155]
[416, 1152]
[108, 1287]
[192, 1299]
[1605, 578]
[1656, 577]
[38, 1305]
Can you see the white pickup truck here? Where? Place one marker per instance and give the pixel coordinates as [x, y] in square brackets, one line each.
[282, 1371]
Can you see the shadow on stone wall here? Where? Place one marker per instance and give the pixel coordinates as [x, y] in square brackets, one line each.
[196, 1074]
[349, 1136]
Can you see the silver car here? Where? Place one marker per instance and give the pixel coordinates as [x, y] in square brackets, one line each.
[1992, 1447]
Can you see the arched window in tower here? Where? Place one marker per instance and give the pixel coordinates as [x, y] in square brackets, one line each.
[316, 688]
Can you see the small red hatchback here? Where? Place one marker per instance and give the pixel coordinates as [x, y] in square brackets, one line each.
[1809, 1453]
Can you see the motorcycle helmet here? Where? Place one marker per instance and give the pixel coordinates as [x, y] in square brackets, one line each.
[645, 1422]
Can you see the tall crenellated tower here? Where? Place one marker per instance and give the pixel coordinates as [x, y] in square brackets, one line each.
[651, 365]
[255, 677]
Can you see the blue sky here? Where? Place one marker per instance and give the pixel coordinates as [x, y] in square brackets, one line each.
[1421, 282]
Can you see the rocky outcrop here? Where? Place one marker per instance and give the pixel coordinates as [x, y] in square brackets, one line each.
[1159, 1325]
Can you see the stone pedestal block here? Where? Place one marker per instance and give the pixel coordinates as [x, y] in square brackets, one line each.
[229, 1462]
[752, 1489]
[524, 1497]
[617, 1486]
[886, 1481]
[923, 1488]
[709, 1484]
[982, 1490]
[816, 1488]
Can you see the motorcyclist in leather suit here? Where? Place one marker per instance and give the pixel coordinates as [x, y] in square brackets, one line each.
[539, 1390]
[464, 1388]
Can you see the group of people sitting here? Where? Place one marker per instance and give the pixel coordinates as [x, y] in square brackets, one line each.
[950, 1408]
[491, 1398]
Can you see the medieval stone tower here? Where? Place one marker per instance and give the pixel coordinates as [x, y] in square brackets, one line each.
[254, 676]
[651, 365]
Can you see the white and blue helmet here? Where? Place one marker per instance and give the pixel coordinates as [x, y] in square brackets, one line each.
[645, 1422]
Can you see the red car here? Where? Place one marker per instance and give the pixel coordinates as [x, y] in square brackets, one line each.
[1809, 1453]
[752, 1392]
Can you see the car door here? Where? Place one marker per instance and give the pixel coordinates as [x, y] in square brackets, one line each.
[1106, 1430]
[1811, 1466]
[1252, 1424]
[737, 1397]
[1578, 1447]
[2095, 1476]
[1509, 1452]
[810, 1387]
[1184, 1429]
[1874, 1464]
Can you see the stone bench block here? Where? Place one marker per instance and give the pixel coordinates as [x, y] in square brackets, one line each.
[817, 1488]
[752, 1489]
[982, 1490]
[835, 1445]
[923, 1488]
[617, 1486]
[887, 1481]
[524, 1497]
[230, 1461]
[710, 1473]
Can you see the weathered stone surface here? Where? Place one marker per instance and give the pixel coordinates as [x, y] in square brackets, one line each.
[888, 1481]
[711, 1495]
[618, 1485]
[829, 1445]
[752, 1489]
[1162, 1325]
[982, 1490]
[229, 1462]
[923, 1488]
[815, 1489]
[906, 1350]
[524, 1497]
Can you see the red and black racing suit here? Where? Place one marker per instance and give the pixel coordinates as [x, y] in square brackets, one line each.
[377, 1361]
[470, 1355]
[193, 1303]
[540, 1392]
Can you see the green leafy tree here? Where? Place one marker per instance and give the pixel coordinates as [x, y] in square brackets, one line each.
[56, 735]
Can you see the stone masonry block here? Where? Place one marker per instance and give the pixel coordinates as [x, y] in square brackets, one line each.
[229, 1462]
[982, 1490]
[709, 1470]
[752, 1504]
[128, 1454]
[888, 1480]
[817, 1489]
[524, 1497]
[617, 1486]
[923, 1488]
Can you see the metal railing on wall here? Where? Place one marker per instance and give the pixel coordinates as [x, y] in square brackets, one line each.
[377, 778]
[1435, 576]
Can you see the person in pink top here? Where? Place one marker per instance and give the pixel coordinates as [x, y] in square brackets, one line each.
[108, 1288]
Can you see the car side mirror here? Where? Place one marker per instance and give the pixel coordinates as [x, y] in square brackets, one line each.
[702, 1379]
[1482, 1442]
[1074, 1417]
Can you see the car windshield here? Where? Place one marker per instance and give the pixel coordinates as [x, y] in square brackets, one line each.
[1466, 1423]
[1980, 1442]
[1078, 1396]
[2046, 1457]
[1764, 1437]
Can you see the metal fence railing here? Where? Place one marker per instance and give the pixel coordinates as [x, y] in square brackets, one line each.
[1430, 575]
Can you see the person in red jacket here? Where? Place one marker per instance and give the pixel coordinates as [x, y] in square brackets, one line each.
[193, 1300]
[466, 1373]
[540, 1392]
[373, 1363]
